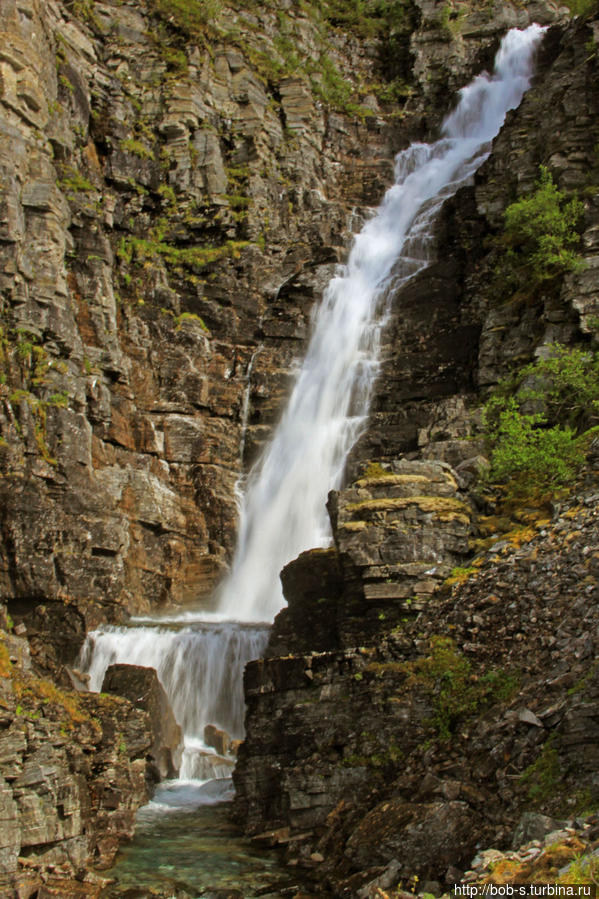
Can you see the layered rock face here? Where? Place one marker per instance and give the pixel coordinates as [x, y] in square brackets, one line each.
[458, 327]
[74, 772]
[172, 204]
[340, 599]
[399, 756]
[166, 224]
[172, 201]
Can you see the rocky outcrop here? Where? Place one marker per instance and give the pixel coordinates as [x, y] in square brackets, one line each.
[74, 772]
[173, 198]
[459, 326]
[308, 745]
[392, 749]
[434, 738]
[398, 532]
[170, 210]
[143, 689]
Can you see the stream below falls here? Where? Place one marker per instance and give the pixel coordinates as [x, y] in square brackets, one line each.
[200, 850]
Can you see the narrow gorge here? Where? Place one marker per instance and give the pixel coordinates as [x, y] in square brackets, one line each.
[180, 183]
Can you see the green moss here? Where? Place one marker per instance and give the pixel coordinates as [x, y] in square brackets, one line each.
[445, 507]
[192, 17]
[137, 148]
[455, 690]
[32, 692]
[459, 575]
[144, 250]
[60, 400]
[190, 316]
[5, 663]
[582, 7]
[83, 10]
[74, 182]
[542, 778]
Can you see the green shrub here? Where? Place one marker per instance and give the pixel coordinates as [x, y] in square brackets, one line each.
[526, 450]
[459, 693]
[136, 148]
[534, 421]
[540, 231]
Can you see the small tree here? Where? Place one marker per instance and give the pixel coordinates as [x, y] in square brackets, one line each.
[534, 420]
[541, 231]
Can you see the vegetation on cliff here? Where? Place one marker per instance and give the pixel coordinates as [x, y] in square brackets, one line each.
[539, 421]
[542, 231]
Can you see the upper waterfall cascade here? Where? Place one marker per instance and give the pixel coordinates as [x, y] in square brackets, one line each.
[283, 510]
[200, 659]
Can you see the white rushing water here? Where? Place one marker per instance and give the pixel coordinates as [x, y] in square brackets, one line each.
[200, 661]
[283, 511]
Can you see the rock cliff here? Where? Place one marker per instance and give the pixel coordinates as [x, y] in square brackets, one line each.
[395, 724]
[172, 204]
[176, 188]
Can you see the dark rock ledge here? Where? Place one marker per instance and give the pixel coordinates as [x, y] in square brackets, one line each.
[460, 709]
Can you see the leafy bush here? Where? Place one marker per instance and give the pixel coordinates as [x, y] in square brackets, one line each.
[534, 420]
[525, 450]
[541, 231]
[458, 692]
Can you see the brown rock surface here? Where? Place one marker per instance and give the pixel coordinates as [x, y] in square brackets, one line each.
[74, 772]
[143, 689]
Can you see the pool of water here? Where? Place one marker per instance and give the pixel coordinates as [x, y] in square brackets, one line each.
[185, 837]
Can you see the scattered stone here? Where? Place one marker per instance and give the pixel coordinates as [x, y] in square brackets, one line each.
[531, 827]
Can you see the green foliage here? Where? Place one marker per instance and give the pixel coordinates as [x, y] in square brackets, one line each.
[367, 18]
[582, 7]
[135, 147]
[142, 250]
[60, 400]
[543, 776]
[64, 82]
[74, 182]
[82, 9]
[534, 420]
[459, 693]
[540, 231]
[193, 17]
[190, 317]
[543, 455]
[460, 575]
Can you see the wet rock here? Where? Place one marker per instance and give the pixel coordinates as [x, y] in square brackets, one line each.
[217, 739]
[141, 687]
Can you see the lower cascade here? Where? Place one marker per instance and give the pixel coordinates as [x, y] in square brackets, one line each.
[199, 664]
[200, 658]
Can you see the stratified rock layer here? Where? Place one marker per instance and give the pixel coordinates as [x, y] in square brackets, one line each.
[171, 206]
[433, 737]
[74, 772]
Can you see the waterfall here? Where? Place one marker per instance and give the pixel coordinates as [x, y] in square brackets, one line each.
[283, 510]
[200, 659]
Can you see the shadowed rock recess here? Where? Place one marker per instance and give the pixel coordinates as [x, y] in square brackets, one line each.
[177, 185]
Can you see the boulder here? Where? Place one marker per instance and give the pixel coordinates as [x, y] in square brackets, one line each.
[141, 687]
[217, 739]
